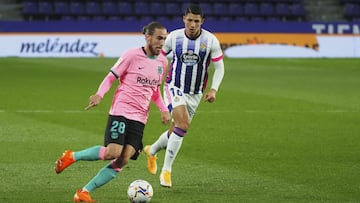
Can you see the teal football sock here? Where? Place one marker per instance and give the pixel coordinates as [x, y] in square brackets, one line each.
[104, 176]
[89, 154]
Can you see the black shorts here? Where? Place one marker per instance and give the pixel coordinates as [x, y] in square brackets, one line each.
[123, 131]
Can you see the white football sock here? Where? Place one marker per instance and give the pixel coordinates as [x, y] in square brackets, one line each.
[160, 143]
[172, 149]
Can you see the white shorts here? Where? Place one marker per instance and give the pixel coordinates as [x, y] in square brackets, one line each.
[174, 97]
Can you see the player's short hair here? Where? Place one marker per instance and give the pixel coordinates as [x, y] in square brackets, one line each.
[194, 8]
[150, 28]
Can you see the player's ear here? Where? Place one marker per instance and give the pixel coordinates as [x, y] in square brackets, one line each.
[147, 37]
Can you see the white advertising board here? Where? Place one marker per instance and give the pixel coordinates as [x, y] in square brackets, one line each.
[68, 45]
[329, 46]
[113, 45]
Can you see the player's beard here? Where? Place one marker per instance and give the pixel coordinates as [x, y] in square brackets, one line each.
[153, 51]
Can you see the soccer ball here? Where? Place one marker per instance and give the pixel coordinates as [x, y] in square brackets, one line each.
[140, 191]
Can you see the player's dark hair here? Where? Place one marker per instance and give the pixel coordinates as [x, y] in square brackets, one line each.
[194, 8]
[150, 28]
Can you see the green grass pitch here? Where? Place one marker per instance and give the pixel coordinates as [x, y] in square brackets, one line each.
[281, 130]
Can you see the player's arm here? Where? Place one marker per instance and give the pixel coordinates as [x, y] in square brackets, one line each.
[216, 81]
[218, 62]
[115, 72]
[159, 102]
[104, 87]
[218, 74]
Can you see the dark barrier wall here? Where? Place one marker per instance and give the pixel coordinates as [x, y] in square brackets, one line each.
[214, 26]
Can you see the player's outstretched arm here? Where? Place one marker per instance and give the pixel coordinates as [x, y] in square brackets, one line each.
[103, 88]
[210, 96]
[94, 100]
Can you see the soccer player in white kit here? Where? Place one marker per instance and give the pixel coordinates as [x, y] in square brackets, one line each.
[193, 49]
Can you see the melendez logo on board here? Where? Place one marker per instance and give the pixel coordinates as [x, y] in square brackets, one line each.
[55, 46]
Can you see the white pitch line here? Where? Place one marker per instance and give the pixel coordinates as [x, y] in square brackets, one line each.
[215, 111]
[34, 111]
[80, 111]
[52, 111]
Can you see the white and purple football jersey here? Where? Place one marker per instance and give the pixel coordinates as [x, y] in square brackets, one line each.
[191, 59]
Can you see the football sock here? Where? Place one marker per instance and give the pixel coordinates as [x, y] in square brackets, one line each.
[161, 143]
[90, 154]
[104, 176]
[173, 147]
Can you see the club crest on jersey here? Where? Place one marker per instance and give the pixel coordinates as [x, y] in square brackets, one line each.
[202, 47]
[190, 58]
[159, 70]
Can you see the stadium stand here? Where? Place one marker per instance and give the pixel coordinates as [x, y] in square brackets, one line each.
[140, 9]
[352, 9]
[220, 10]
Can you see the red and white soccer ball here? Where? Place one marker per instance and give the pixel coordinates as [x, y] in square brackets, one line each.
[140, 191]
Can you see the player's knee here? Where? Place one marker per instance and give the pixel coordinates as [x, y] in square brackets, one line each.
[111, 154]
[184, 125]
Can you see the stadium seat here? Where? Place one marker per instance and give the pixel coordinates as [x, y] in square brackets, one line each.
[220, 9]
[211, 18]
[83, 18]
[30, 7]
[273, 19]
[45, 7]
[251, 9]
[225, 19]
[67, 18]
[146, 19]
[114, 18]
[61, 7]
[298, 10]
[207, 8]
[172, 8]
[295, 1]
[266, 9]
[93, 7]
[109, 7]
[157, 8]
[130, 18]
[282, 9]
[162, 18]
[236, 9]
[257, 19]
[77, 7]
[141, 8]
[349, 1]
[125, 8]
[352, 10]
[98, 18]
[241, 19]
[356, 20]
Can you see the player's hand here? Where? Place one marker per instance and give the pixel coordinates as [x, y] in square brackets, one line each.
[210, 96]
[94, 100]
[165, 117]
